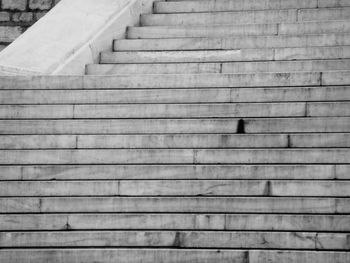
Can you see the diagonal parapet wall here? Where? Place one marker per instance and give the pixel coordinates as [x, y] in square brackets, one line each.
[70, 36]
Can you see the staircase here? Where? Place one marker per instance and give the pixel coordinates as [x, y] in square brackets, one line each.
[218, 131]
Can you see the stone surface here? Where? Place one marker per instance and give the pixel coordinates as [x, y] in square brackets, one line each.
[14, 4]
[40, 4]
[196, 141]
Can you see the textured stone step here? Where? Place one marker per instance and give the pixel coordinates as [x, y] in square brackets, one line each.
[333, 3]
[161, 68]
[228, 67]
[314, 27]
[287, 66]
[328, 109]
[222, 43]
[174, 141]
[159, 32]
[299, 29]
[183, 239]
[323, 14]
[257, 222]
[177, 188]
[338, 52]
[148, 172]
[140, 126]
[247, 17]
[172, 256]
[321, 3]
[219, 18]
[227, 5]
[290, 205]
[186, 56]
[204, 110]
[203, 95]
[135, 81]
[149, 141]
[337, 78]
[176, 156]
[153, 111]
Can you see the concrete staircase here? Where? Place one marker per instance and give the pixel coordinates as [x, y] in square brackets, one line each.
[218, 131]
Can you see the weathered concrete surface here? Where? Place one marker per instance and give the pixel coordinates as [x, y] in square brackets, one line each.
[176, 188]
[227, 5]
[205, 125]
[70, 36]
[149, 172]
[193, 95]
[127, 221]
[189, 239]
[222, 43]
[288, 205]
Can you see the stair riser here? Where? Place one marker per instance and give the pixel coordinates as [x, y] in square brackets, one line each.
[257, 222]
[320, 3]
[173, 141]
[261, 240]
[288, 125]
[175, 95]
[175, 205]
[227, 5]
[179, 81]
[246, 17]
[153, 111]
[254, 30]
[157, 256]
[227, 55]
[178, 156]
[176, 188]
[161, 172]
[215, 31]
[231, 43]
[219, 18]
[235, 67]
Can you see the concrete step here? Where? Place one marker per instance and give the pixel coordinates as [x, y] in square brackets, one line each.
[243, 30]
[247, 17]
[227, 5]
[179, 172]
[332, 3]
[328, 140]
[157, 126]
[174, 255]
[314, 27]
[177, 188]
[288, 66]
[320, 14]
[227, 67]
[186, 56]
[162, 81]
[159, 32]
[154, 111]
[200, 95]
[176, 156]
[160, 68]
[242, 222]
[321, 3]
[223, 43]
[337, 78]
[241, 17]
[290, 205]
[269, 54]
[186, 239]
